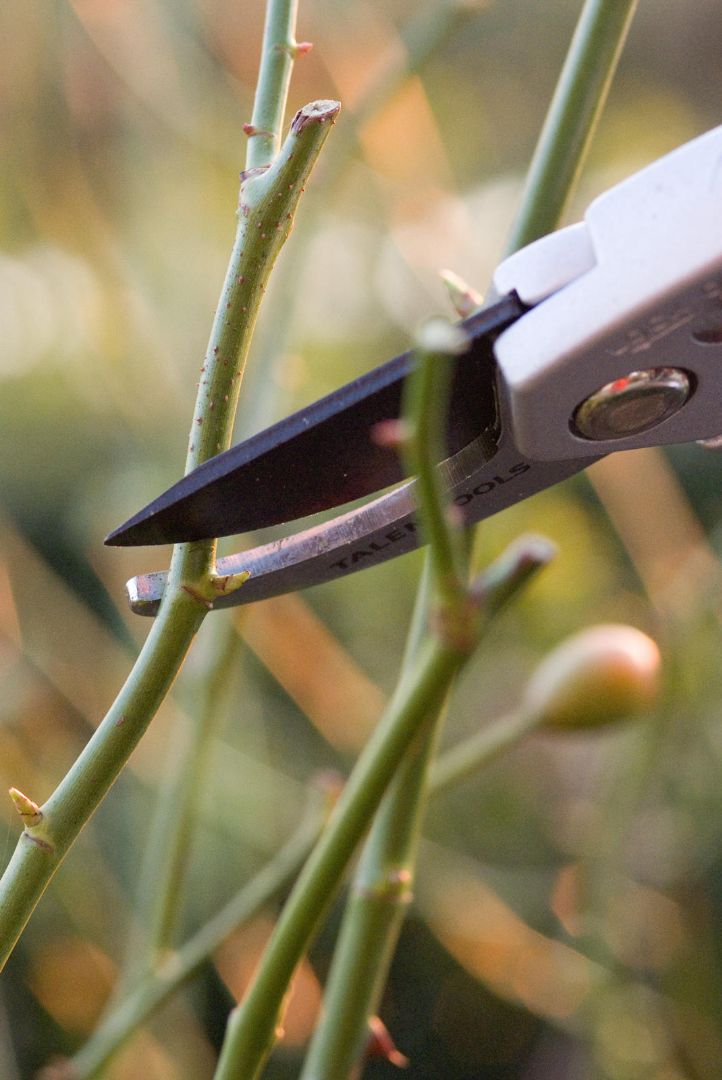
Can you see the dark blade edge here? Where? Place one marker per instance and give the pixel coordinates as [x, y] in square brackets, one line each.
[148, 525]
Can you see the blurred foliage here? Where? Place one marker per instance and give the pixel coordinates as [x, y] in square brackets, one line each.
[569, 907]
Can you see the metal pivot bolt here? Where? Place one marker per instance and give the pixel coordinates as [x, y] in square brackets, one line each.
[639, 401]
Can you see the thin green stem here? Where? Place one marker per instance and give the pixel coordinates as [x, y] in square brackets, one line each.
[265, 218]
[268, 202]
[252, 1027]
[382, 886]
[425, 407]
[156, 906]
[375, 910]
[473, 754]
[274, 77]
[176, 968]
[172, 829]
[213, 420]
[571, 121]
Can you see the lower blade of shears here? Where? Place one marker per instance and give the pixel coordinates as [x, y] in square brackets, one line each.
[325, 455]
[384, 528]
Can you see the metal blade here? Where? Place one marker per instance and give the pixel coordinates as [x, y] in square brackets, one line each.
[324, 455]
[381, 530]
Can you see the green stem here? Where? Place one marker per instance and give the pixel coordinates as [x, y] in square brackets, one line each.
[268, 202]
[425, 409]
[176, 968]
[571, 121]
[382, 886]
[378, 900]
[381, 889]
[269, 107]
[473, 754]
[172, 829]
[167, 846]
[252, 1027]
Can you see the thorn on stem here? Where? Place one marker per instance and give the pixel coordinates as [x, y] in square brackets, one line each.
[27, 808]
[250, 131]
[381, 1045]
[295, 49]
[465, 300]
[228, 583]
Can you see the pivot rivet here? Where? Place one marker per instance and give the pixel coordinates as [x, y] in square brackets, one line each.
[635, 403]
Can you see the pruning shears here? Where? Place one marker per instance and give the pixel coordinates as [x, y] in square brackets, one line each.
[603, 336]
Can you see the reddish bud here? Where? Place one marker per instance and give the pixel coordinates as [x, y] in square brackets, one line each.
[598, 676]
[465, 299]
[381, 1045]
[389, 433]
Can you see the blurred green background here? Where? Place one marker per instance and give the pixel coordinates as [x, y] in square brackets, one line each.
[569, 906]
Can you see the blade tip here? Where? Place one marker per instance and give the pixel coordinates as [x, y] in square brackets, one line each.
[116, 538]
[135, 533]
